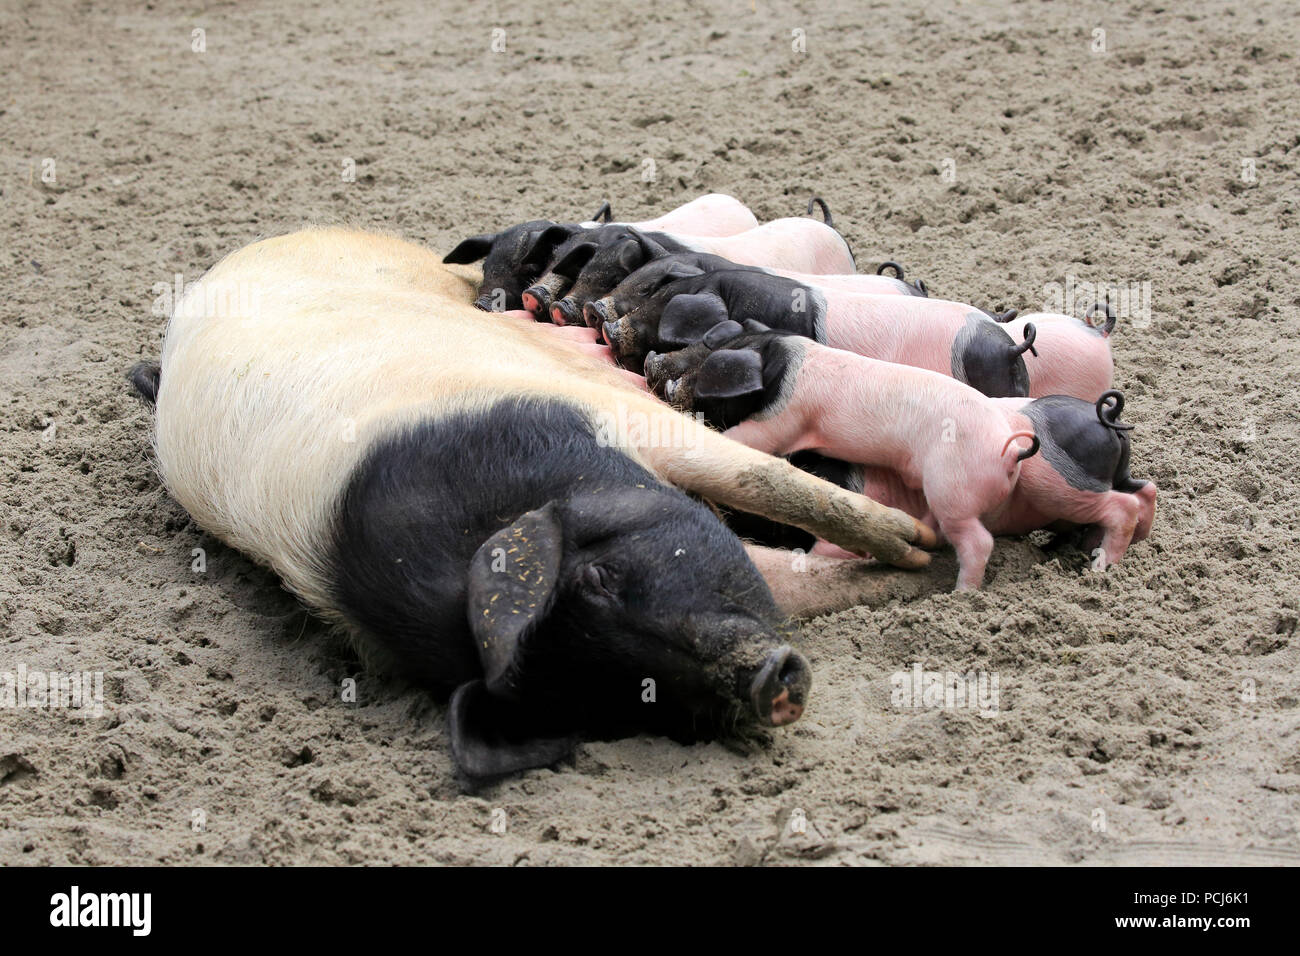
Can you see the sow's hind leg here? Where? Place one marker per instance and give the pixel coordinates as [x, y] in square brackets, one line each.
[727, 472]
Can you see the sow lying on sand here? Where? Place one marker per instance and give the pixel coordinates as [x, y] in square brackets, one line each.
[474, 497]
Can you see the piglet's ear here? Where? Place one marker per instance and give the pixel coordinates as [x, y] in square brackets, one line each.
[631, 256]
[512, 585]
[754, 326]
[682, 270]
[471, 249]
[722, 332]
[490, 738]
[730, 373]
[574, 260]
[540, 245]
[688, 318]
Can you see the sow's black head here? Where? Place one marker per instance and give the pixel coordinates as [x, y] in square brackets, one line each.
[613, 605]
[731, 374]
[512, 259]
[618, 610]
[986, 358]
[1085, 443]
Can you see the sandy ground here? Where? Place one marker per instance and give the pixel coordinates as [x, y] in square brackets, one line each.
[1145, 714]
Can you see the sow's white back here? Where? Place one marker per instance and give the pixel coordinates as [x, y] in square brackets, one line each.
[292, 355]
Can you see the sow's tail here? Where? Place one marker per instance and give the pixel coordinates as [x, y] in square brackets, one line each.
[145, 377]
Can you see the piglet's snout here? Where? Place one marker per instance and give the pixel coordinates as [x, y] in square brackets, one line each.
[537, 299]
[565, 312]
[652, 369]
[596, 314]
[780, 689]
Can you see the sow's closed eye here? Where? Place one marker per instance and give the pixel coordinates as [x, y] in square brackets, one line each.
[600, 582]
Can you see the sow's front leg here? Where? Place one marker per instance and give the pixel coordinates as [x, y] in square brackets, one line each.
[725, 471]
[808, 585]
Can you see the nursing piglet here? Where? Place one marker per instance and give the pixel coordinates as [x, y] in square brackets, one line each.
[799, 245]
[514, 257]
[783, 393]
[946, 337]
[597, 269]
[1080, 479]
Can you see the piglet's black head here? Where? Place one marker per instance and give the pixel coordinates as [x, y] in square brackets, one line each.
[681, 307]
[599, 270]
[733, 372]
[512, 259]
[582, 270]
[618, 610]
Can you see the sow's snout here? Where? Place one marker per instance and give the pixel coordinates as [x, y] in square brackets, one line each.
[779, 691]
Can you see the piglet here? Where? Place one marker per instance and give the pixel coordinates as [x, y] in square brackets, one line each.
[782, 393]
[1073, 357]
[1082, 476]
[796, 244]
[597, 269]
[671, 304]
[516, 256]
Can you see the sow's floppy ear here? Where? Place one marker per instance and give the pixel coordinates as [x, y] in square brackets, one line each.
[471, 249]
[687, 318]
[489, 736]
[513, 579]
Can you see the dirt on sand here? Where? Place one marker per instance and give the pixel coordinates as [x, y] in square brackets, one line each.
[1004, 152]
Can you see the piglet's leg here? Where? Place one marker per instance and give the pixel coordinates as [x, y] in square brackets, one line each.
[973, 544]
[1119, 524]
[728, 473]
[807, 585]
